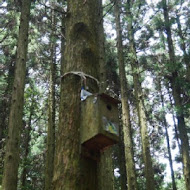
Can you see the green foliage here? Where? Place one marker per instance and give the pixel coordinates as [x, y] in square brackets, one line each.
[151, 47]
[111, 68]
[32, 153]
[179, 182]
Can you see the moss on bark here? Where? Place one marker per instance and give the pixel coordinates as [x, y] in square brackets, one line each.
[72, 171]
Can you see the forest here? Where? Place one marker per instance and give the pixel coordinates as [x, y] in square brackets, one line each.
[94, 94]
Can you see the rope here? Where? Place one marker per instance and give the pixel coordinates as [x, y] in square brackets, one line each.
[82, 75]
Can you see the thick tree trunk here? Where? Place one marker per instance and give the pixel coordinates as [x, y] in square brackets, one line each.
[105, 170]
[72, 170]
[176, 91]
[149, 174]
[182, 135]
[51, 108]
[129, 155]
[16, 110]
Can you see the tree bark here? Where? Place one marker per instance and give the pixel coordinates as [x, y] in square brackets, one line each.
[176, 92]
[51, 107]
[71, 170]
[129, 155]
[122, 160]
[105, 165]
[27, 139]
[105, 170]
[16, 110]
[63, 42]
[4, 114]
[149, 174]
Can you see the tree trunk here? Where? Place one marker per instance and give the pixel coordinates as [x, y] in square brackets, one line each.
[51, 107]
[129, 155]
[176, 91]
[105, 170]
[167, 138]
[5, 103]
[173, 118]
[72, 170]
[27, 139]
[122, 160]
[63, 40]
[103, 74]
[105, 165]
[16, 110]
[183, 48]
[4, 114]
[149, 174]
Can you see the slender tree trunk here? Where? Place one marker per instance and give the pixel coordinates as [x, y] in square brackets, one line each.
[174, 119]
[183, 48]
[105, 165]
[5, 103]
[176, 91]
[149, 174]
[167, 138]
[72, 170]
[122, 160]
[169, 94]
[103, 74]
[63, 40]
[129, 155]
[51, 108]
[16, 110]
[6, 98]
[4, 114]
[27, 139]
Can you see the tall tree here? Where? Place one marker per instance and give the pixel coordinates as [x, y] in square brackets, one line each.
[174, 119]
[163, 117]
[149, 174]
[183, 47]
[16, 110]
[4, 112]
[27, 136]
[129, 155]
[176, 92]
[8, 41]
[105, 165]
[5, 103]
[71, 170]
[51, 105]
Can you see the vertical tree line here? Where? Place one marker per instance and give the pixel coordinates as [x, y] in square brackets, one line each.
[17, 101]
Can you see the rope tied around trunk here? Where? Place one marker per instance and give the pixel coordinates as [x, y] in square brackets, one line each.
[82, 75]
